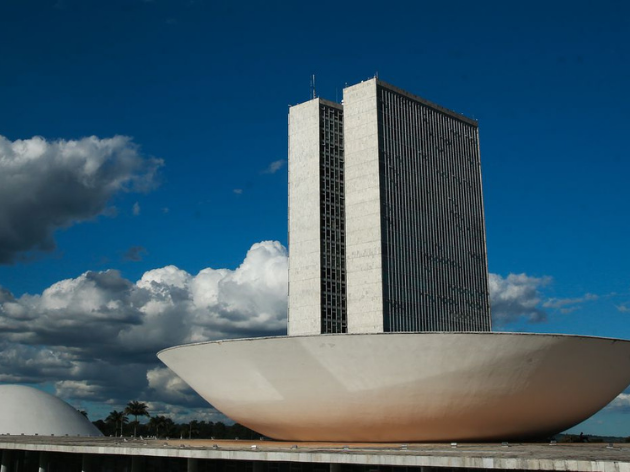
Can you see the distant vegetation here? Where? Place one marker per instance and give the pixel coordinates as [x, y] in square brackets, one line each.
[118, 424]
[575, 438]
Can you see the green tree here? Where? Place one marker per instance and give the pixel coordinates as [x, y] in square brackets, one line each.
[193, 428]
[136, 409]
[239, 431]
[220, 430]
[103, 427]
[156, 423]
[117, 418]
[205, 430]
[170, 428]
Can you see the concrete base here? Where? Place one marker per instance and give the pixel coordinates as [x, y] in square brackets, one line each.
[268, 455]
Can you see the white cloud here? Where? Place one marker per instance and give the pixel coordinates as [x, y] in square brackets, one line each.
[275, 166]
[620, 404]
[77, 389]
[238, 191]
[169, 388]
[516, 296]
[623, 308]
[96, 336]
[183, 414]
[568, 305]
[47, 185]
[136, 209]
[24, 363]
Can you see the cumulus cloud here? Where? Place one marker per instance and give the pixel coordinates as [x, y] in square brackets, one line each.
[185, 414]
[96, 336]
[274, 167]
[620, 404]
[77, 389]
[519, 297]
[24, 363]
[168, 388]
[47, 185]
[515, 297]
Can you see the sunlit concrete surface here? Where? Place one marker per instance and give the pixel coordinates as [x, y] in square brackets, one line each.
[406, 386]
[268, 455]
[26, 410]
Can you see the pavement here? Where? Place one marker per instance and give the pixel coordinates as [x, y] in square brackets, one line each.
[523, 456]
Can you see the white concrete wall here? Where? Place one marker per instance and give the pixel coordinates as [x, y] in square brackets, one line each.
[363, 215]
[29, 411]
[420, 387]
[304, 221]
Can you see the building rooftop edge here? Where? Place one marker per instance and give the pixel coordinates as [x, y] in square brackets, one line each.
[323, 101]
[397, 333]
[398, 90]
[426, 102]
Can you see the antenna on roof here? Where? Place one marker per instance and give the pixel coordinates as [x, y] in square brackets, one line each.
[313, 91]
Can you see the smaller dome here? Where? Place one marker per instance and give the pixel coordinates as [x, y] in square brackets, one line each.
[28, 411]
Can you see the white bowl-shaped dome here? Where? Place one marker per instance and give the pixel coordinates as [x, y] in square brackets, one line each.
[28, 411]
[406, 386]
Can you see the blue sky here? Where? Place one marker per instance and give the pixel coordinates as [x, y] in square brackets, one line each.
[200, 91]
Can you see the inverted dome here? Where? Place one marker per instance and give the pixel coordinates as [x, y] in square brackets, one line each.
[406, 386]
[28, 411]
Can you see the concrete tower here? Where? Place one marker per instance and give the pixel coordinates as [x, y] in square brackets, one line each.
[317, 265]
[386, 225]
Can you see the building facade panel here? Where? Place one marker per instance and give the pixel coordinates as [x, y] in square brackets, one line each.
[317, 277]
[304, 230]
[363, 211]
[434, 250]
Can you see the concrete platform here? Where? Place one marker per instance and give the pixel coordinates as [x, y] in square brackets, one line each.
[489, 456]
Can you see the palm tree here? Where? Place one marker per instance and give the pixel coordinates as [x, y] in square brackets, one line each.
[118, 418]
[192, 428]
[157, 422]
[136, 409]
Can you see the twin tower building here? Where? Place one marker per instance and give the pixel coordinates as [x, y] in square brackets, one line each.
[386, 223]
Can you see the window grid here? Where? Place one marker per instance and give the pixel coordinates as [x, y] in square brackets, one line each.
[332, 222]
[434, 256]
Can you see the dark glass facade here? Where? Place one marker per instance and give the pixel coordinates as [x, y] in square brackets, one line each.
[332, 220]
[433, 234]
